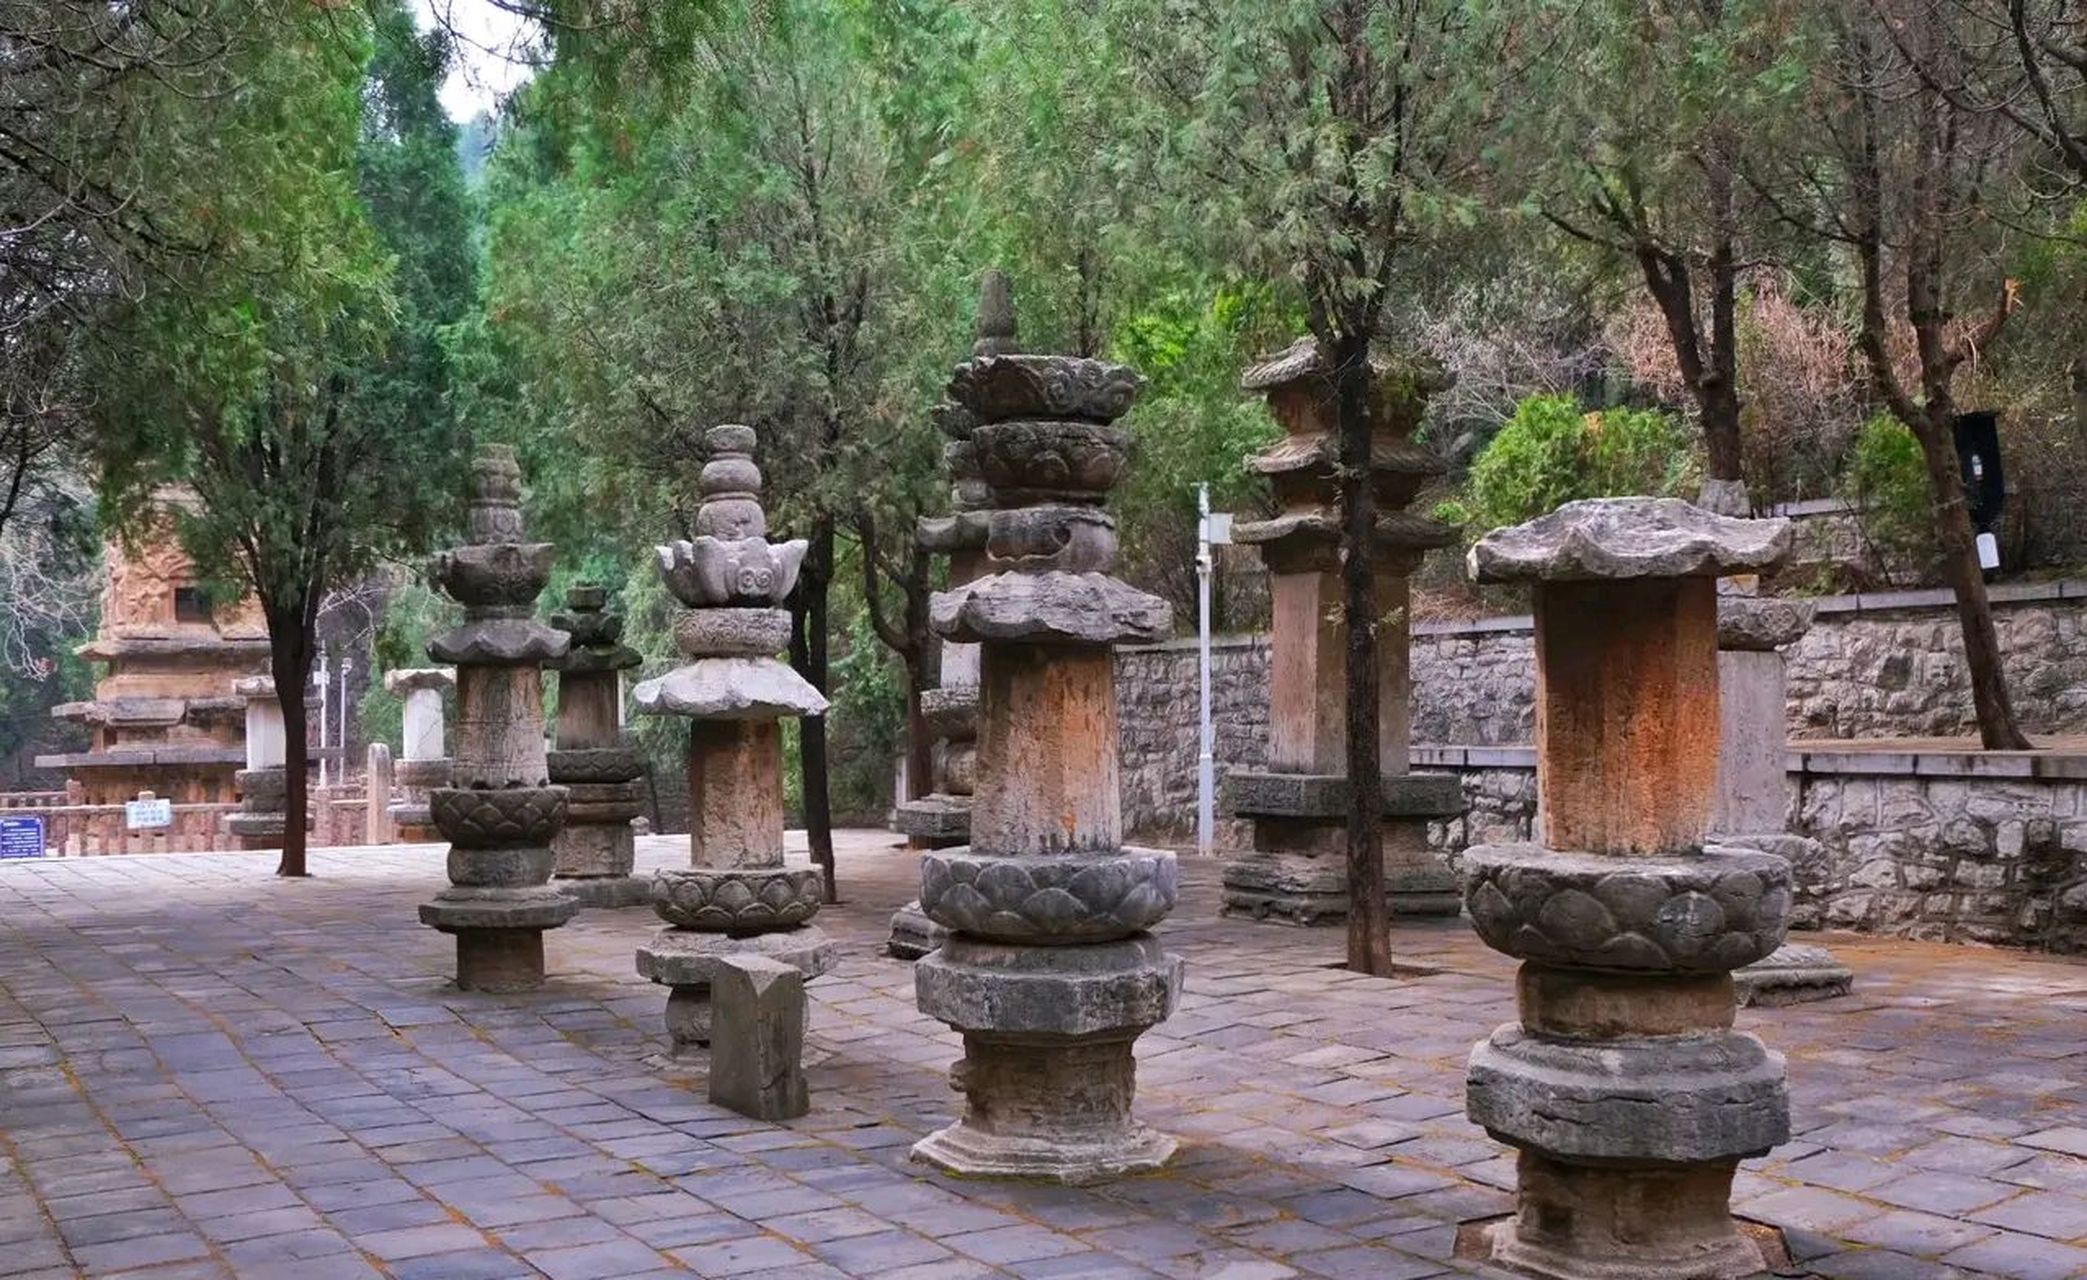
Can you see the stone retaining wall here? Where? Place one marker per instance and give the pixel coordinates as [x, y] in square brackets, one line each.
[1874, 666]
[1944, 846]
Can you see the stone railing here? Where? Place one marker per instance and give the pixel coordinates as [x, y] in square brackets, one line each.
[91, 830]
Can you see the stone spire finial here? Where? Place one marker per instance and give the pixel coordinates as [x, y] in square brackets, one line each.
[731, 564]
[731, 486]
[996, 316]
[496, 495]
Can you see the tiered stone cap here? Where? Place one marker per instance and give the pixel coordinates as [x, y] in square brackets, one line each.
[1304, 466]
[1615, 539]
[1049, 454]
[496, 576]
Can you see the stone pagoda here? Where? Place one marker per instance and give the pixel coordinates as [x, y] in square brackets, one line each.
[1297, 870]
[1048, 971]
[1753, 790]
[736, 896]
[942, 819]
[499, 810]
[264, 783]
[164, 718]
[1624, 1087]
[598, 769]
[425, 763]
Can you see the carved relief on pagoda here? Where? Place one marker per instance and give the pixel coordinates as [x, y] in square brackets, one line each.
[153, 591]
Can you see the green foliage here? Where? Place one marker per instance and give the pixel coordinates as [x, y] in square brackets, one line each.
[1551, 453]
[1888, 481]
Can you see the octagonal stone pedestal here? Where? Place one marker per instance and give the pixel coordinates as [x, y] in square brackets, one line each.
[686, 962]
[1297, 871]
[1048, 1075]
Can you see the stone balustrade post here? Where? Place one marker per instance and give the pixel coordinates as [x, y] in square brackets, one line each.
[377, 778]
[1627, 1093]
[499, 810]
[736, 897]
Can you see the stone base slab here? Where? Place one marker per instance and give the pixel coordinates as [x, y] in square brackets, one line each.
[1070, 991]
[972, 1153]
[1598, 1222]
[458, 908]
[1251, 793]
[1312, 890]
[936, 819]
[607, 891]
[685, 957]
[1671, 1099]
[913, 935]
[1797, 973]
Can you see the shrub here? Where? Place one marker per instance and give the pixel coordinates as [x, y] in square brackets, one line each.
[1551, 453]
[1888, 481]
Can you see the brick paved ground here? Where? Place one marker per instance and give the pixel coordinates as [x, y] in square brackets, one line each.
[208, 1072]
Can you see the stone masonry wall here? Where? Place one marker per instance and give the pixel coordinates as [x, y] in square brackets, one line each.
[1948, 847]
[1873, 666]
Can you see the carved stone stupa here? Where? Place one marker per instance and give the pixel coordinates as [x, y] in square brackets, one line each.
[1624, 1087]
[599, 771]
[1297, 871]
[499, 811]
[1048, 971]
[736, 896]
[942, 819]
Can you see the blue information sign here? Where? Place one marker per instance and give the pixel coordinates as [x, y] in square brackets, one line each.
[20, 836]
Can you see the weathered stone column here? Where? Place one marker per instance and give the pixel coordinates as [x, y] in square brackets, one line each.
[425, 764]
[1048, 971]
[1753, 791]
[736, 897]
[942, 819]
[1297, 871]
[499, 811]
[263, 783]
[1625, 1088]
[597, 768]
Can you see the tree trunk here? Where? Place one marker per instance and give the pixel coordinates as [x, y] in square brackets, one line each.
[2079, 380]
[1369, 919]
[1954, 538]
[291, 640]
[808, 653]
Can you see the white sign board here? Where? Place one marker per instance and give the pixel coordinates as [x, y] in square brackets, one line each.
[148, 815]
[1217, 528]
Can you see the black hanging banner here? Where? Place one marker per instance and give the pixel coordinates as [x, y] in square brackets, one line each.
[1978, 455]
